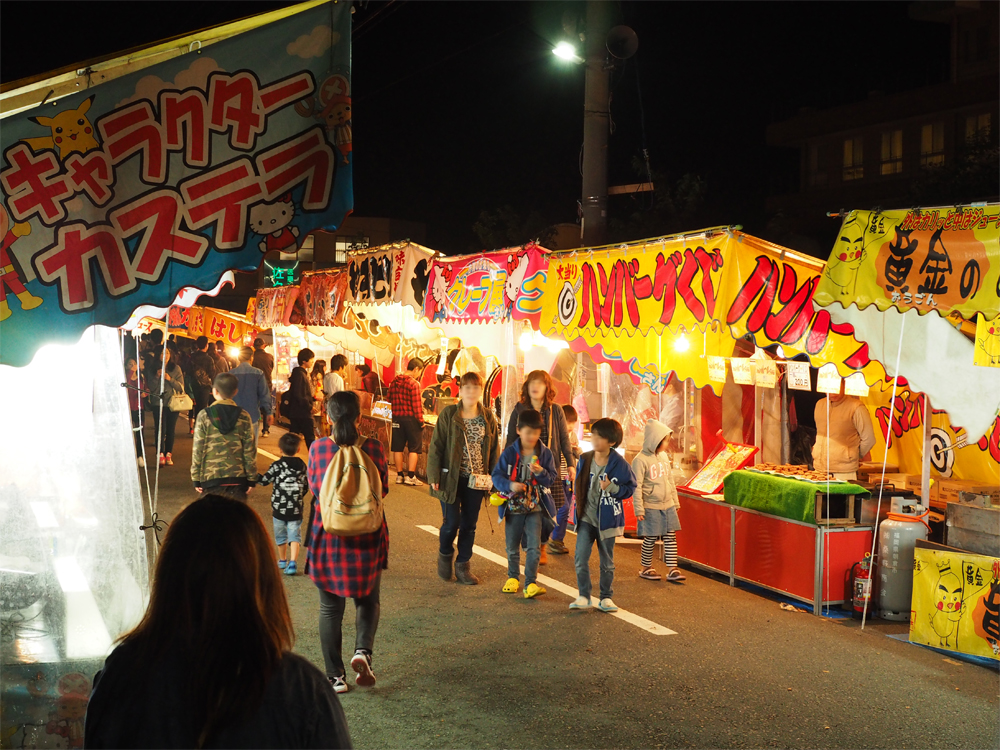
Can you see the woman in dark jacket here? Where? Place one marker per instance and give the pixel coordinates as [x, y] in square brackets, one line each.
[537, 393]
[465, 443]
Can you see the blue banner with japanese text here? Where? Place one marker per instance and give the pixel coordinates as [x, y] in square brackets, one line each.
[165, 178]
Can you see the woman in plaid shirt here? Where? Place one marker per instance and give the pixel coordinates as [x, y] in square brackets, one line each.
[342, 566]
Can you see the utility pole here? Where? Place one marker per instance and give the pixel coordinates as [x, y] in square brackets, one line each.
[596, 125]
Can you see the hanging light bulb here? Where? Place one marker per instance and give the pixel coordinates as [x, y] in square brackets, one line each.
[681, 344]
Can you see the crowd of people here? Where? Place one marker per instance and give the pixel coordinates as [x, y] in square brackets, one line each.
[535, 477]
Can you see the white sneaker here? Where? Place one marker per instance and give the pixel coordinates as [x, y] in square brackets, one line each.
[413, 482]
[581, 602]
[399, 479]
[339, 684]
[606, 605]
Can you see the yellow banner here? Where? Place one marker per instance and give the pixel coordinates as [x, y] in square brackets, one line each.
[955, 601]
[987, 353]
[663, 306]
[939, 259]
[978, 462]
[218, 325]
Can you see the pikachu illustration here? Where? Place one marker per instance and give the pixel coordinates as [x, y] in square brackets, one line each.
[72, 132]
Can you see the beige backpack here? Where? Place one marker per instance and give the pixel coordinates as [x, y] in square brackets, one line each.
[350, 499]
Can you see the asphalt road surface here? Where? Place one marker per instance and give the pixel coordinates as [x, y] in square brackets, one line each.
[470, 667]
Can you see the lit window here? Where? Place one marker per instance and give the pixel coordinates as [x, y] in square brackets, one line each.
[932, 144]
[892, 152]
[346, 243]
[854, 159]
[978, 126]
[815, 165]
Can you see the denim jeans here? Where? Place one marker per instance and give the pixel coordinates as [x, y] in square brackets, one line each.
[528, 526]
[586, 536]
[562, 515]
[331, 625]
[460, 517]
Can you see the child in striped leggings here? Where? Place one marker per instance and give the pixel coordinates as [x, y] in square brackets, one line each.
[655, 502]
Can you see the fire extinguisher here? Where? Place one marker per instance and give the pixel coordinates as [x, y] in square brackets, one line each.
[861, 586]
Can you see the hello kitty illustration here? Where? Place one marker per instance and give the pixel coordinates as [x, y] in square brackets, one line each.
[517, 269]
[438, 299]
[271, 220]
[71, 708]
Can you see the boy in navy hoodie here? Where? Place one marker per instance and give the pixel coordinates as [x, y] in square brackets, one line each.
[603, 480]
[525, 462]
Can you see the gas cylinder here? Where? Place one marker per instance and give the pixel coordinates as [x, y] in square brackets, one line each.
[897, 539]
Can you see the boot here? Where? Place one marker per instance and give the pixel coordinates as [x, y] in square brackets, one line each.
[4, 310]
[28, 300]
[444, 566]
[464, 575]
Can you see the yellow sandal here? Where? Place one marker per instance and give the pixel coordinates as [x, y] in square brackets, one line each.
[511, 586]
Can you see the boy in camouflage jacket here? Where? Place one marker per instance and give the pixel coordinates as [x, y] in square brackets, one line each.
[224, 457]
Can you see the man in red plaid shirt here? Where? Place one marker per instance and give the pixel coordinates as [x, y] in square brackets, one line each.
[407, 421]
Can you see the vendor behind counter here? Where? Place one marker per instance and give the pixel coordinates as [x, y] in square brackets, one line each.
[851, 435]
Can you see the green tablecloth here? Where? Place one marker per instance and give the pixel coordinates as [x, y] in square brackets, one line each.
[781, 496]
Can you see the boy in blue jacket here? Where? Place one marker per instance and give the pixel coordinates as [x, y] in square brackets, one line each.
[525, 462]
[603, 480]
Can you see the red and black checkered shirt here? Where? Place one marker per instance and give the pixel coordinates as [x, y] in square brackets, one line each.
[404, 394]
[345, 565]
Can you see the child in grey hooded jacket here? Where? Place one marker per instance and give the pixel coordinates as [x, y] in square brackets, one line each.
[655, 502]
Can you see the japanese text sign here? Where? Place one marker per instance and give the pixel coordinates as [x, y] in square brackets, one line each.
[390, 273]
[940, 259]
[170, 176]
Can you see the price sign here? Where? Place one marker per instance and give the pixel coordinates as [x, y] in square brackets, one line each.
[855, 385]
[798, 376]
[829, 379]
[767, 373]
[717, 369]
[742, 370]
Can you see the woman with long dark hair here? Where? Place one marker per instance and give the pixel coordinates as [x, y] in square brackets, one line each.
[537, 393]
[210, 664]
[346, 566]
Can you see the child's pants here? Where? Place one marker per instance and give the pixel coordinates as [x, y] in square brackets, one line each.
[528, 526]
[562, 515]
[586, 537]
[669, 550]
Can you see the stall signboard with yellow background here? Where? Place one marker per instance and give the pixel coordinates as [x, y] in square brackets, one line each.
[950, 456]
[217, 325]
[956, 596]
[987, 352]
[941, 260]
[667, 305]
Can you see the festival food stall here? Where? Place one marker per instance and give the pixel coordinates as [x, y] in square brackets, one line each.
[179, 148]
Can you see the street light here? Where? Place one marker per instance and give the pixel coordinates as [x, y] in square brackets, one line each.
[566, 51]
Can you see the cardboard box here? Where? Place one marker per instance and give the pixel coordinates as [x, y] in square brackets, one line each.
[950, 490]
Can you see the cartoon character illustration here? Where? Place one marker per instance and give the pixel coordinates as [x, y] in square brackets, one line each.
[9, 277]
[948, 603]
[438, 301]
[334, 111]
[71, 708]
[72, 132]
[271, 220]
[517, 269]
[843, 270]
[986, 615]
[989, 342]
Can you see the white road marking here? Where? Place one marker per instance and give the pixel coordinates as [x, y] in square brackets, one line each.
[265, 453]
[630, 617]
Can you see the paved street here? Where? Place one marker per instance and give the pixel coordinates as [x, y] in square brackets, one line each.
[471, 667]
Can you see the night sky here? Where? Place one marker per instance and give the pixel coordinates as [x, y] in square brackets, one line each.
[461, 107]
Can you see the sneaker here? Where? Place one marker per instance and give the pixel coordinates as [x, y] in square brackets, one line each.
[413, 482]
[170, 459]
[361, 663]
[339, 684]
[290, 569]
[557, 547]
[606, 605]
[543, 556]
[511, 586]
[532, 590]
[163, 460]
[675, 576]
[399, 479]
[649, 574]
[141, 462]
[581, 602]
[281, 564]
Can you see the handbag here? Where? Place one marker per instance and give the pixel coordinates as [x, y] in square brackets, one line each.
[482, 482]
[181, 402]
